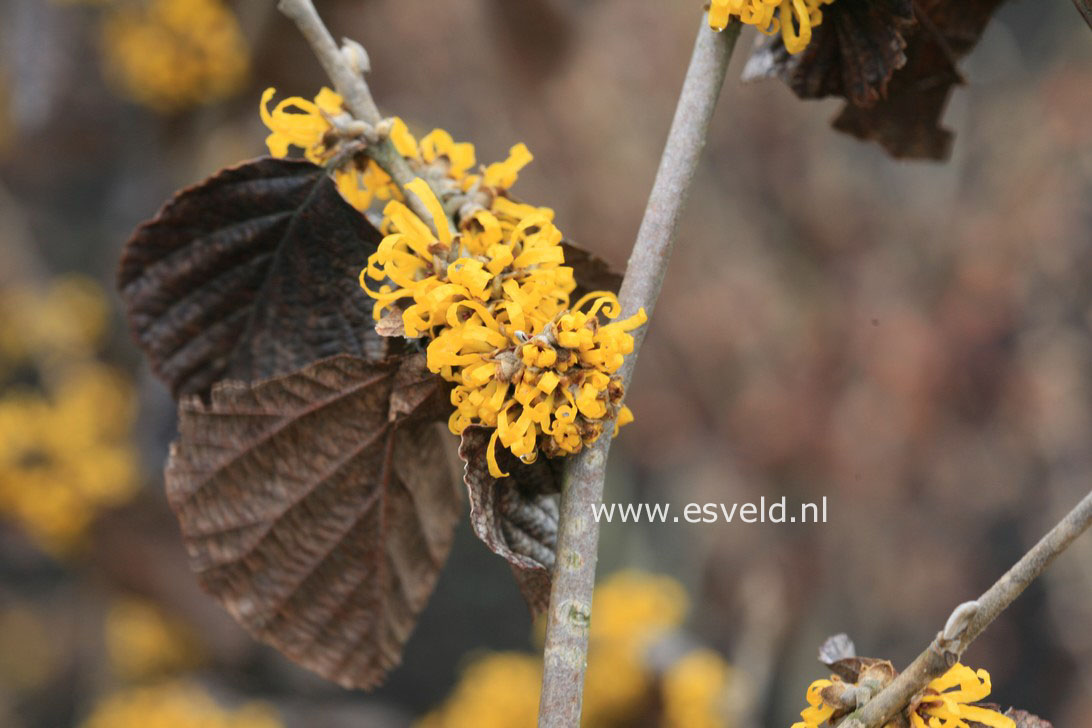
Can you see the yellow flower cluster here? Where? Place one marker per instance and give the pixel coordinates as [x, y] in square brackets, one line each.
[175, 705]
[630, 611]
[947, 703]
[793, 18]
[327, 134]
[494, 300]
[497, 691]
[143, 642]
[173, 54]
[65, 453]
[694, 691]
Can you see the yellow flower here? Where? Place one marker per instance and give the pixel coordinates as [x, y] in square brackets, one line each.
[493, 298]
[817, 711]
[793, 18]
[62, 459]
[66, 320]
[142, 641]
[630, 610]
[321, 128]
[947, 702]
[175, 705]
[497, 691]
[171, 54]
[695, 691]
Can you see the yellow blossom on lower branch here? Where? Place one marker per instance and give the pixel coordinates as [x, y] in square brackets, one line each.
[493, 299]
[326, 132]
[947, 702]
[794, 19]
[175, 705]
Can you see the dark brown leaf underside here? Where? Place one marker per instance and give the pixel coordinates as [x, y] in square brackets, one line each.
[250, 274]
[318, 509]
[853, 54]
[895, 62]
[516, 517]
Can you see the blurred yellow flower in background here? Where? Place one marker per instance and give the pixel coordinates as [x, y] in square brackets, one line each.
[694, 691]
[496, 691]
[142, 641]
[65, 418]
[173, 54]
[631, 611]
[175, 705]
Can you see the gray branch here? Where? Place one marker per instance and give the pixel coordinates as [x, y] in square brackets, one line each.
[565, 656]
[347, 77]
[969, 620]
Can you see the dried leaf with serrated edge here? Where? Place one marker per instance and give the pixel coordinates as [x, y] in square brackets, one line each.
[317, 507]
[898, 76]
[250, 274]
[907, 122]
[516, 517]
[853, 54]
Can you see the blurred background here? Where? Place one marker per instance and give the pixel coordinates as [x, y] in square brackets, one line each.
[909, 340]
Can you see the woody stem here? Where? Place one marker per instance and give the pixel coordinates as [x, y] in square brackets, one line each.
[957, 636]
[350, 84]
[569, 614]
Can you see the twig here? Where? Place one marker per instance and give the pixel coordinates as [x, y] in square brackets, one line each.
[565, 654]
[969, 620]
[349, 82]
[1084, 7]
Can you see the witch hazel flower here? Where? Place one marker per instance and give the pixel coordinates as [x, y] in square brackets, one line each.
[947, 702]
[492, 300]
[794, 19]
[329, 136]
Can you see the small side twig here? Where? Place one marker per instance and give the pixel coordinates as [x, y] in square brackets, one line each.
[349, 82]
[565, 654]
[969, 620]
[1084, 7]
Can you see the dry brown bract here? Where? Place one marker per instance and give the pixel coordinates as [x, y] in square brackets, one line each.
[894, 61]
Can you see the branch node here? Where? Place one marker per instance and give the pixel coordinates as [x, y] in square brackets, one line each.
[356, 56]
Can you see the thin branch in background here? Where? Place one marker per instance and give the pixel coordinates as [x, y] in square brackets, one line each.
[344, 67]
[1084, 7]
[969, 620]
[565, 655]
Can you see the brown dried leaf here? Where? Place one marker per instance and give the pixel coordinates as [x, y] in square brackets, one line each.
[591, 272]
[853, 54]
[896, 71]
[1024, 719]
[907, 123]
[516, 517]
[317, 508]
[248, 275]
